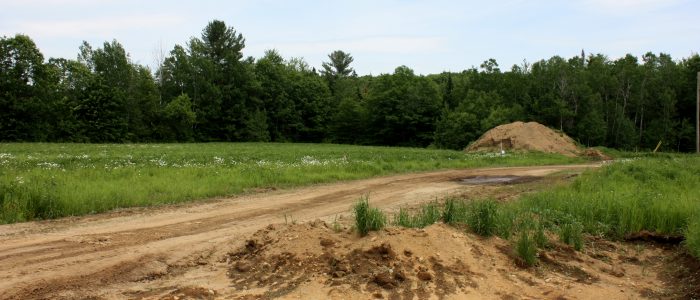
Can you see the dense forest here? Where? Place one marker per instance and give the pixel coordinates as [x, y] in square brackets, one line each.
[207, 91]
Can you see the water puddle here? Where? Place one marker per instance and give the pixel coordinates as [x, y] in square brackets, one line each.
[480, 180]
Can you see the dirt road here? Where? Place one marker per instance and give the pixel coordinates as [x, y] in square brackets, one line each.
[143, 252]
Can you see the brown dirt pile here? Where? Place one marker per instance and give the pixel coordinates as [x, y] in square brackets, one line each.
[328, 261]
[531, 136]
[595, 154]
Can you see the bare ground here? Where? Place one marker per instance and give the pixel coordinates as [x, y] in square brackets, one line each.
[200, 251]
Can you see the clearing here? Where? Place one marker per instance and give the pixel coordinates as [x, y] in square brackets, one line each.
[240, 247]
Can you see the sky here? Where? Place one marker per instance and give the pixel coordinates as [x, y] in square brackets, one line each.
[427, 36]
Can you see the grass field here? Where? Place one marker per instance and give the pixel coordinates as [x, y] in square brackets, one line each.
[40, 181]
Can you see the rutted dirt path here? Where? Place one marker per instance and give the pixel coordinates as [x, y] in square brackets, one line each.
[139, 252]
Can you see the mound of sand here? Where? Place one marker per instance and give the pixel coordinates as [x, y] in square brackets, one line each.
[320, 261]
[531, 136]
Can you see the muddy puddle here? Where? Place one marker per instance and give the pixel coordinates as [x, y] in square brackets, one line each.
[484, 180]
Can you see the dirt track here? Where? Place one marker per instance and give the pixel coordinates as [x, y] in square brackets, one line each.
[143, 252]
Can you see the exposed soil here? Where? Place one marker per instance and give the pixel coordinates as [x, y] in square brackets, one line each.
[320, 260]
[595, 154]
[241, 248]
[479, 180]
[531, 136]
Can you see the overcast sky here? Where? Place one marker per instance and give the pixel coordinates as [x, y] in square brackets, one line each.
[427, 36]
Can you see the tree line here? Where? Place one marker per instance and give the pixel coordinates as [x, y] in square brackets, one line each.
[206, 90]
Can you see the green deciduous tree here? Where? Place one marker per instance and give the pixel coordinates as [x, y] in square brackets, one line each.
[24, 100]
[403, 109]
[179, 118]
[207, 91]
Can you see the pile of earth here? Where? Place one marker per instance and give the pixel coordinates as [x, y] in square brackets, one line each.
[531, 136]
[320, 260]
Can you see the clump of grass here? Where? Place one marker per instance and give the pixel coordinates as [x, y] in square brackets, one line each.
[571, 233]
[367, 218]
[32, 200]
[482, 217]
[540, 238]
[403, 218]
[454, 211]
[692, 237]
[506, 221]
[526, 248]
[428, 214]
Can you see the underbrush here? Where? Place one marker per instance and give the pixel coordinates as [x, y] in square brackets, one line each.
[43, 181]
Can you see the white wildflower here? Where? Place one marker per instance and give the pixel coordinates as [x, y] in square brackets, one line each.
[310, 160]
[160, 162]
[48, 165]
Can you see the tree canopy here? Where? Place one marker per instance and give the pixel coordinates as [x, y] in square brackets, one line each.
[206, 90]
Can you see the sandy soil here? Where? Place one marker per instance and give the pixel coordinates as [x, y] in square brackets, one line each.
[199, 251]
[530, 136]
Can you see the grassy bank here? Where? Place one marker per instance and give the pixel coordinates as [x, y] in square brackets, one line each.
[657, 194]
[39, 181]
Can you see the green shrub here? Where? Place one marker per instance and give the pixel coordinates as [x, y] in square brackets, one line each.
[367, 218]
[482, 217]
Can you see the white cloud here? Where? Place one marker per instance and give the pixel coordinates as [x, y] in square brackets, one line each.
[95, 27]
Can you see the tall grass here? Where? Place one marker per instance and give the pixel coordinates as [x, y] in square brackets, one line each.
[482, 217]
[659, 194]
[367, 218]
[655, 194]
[692, 237]
[571, 233]
[428, 214]
[455, 211]
[40, 181]
[526, 248]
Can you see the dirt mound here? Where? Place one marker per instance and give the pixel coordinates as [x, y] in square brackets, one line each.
[321, 261]
[595, 154]
[531, 136]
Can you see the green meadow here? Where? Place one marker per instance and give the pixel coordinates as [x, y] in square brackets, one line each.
[43, 181]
